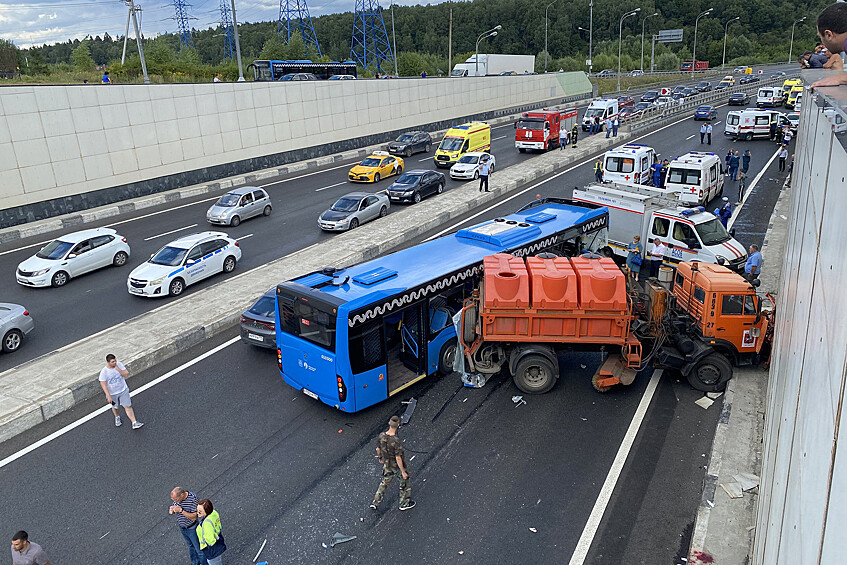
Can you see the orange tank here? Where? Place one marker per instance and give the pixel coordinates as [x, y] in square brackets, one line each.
[506, 282]
[554, 283]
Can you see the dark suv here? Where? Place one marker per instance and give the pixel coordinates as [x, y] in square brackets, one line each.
[703, 86]
[650, 96]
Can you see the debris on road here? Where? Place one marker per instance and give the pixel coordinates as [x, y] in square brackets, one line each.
[410, 408]
[461, 553]
[747, 481]
[704, 402]
[581, 366]
[733, 490]
[518, 400]
[533, 530]
[714, 395]
[338, 537]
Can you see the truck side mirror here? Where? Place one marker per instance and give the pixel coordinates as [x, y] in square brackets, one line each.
[516, 125]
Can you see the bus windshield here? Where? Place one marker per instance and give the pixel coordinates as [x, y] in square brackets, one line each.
[684, 176]
[451, 143]
[712, 232]
[307, 319]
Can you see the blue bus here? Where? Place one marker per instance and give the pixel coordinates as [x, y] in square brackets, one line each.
[275, 70]
[353, 337]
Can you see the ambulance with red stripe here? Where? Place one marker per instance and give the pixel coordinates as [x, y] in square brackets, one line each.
[696, 177]
[689, 234]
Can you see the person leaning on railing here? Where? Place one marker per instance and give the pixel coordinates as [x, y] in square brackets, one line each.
[832, 29]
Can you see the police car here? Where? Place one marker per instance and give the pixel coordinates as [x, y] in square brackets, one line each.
[470, 164]
[183, 262]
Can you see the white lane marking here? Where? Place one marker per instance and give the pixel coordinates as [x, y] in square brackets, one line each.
[716, 123]
[425, 159]
[689, 137]
[106, 534]
[60, 432]
[587, 537]
[170, 232]
[524, 191]
[330, 186]
[244, 237]
[749, 190]
[501, 137]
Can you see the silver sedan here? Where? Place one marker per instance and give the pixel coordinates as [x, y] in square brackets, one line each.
[15, 323]
[239, 204]
[354, 209]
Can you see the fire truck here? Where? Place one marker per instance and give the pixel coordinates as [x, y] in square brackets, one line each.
[524, 313]
[539, 130]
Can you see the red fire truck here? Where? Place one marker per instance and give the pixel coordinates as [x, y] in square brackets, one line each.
[540, 129]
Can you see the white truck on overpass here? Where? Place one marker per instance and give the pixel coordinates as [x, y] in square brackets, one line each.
[494, 64]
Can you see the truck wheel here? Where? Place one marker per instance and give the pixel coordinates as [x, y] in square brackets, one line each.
[750, 136]
[469, 325]
[521, 149]
[534, 374]
[446, 357]
[711, 374]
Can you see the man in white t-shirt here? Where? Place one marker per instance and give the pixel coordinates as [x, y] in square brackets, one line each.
[657, 254]
[113, 382]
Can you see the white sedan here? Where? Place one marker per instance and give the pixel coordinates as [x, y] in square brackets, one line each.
[469, 165]
[183, 262]
[73, 255]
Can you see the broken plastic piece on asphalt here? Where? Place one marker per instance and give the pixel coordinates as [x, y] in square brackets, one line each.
[539, 502]
[733, 490]
[533, 530]
[710, 503]
[581, 366]
[584, 419]
[704, 402]
[340, 431]
[325, 545]
[464, 400]
[412, 458]
[461, 553]
[518, 400]
[410, 408]
[747, 480]
[338, 537]
[714, 395]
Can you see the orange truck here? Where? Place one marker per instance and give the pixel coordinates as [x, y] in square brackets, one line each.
[526, 312]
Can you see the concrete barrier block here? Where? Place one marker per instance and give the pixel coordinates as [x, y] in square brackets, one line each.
[19, 422]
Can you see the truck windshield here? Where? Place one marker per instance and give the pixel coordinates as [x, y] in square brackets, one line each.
[451, 143]
[712, 232]
[684, 176]
[620, 164]
[526, 124]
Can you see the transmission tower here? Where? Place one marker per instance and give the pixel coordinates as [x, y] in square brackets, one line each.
[229, 32]
[295, 13]
[181, 17]
[370, 45]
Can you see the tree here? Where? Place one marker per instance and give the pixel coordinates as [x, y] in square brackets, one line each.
[667, 62]
[81, 57]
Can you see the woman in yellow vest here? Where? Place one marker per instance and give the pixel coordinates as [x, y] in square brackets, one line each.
[209, 532]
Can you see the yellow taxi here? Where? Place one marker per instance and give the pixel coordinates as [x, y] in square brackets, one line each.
[728, 80]
[378, 165]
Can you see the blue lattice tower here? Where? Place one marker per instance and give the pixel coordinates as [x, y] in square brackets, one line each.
[229, 32]
[294, 16]
[181, 17]
[370, 46]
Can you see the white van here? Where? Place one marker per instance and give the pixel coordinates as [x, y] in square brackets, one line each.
[798, 103]
[690, 234]
[602, 108]
[750, 123]
[629, 163]
[696, 176]
[769, 97]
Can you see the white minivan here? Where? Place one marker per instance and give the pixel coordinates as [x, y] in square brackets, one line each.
[602, 108]
[629, 163]
[769, 97]
[696, 176]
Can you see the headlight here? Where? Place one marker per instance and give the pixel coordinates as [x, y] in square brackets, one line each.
[407, 192]
[40, 272]
[720, 260]
[156, 282]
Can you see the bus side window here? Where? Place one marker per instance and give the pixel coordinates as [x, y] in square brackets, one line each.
[367, 349]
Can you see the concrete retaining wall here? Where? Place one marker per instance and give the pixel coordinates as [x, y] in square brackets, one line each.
[69, 148]
[803, 494]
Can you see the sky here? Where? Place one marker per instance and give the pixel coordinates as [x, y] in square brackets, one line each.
[36, 22]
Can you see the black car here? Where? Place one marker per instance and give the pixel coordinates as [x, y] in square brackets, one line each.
[721, 86]
[703, 86]
[676, 89]
[258, 323]
[689, 92]
[411, 142]
[739, 99]
[650, 96]
[747, 79]
[641, 106]
[412, 186]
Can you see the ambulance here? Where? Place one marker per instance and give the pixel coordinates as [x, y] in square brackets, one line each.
[769, 97]
[696, 176]
[791, 101]
[629, 163]
[603, 108]
[466, 138]
[750, 123]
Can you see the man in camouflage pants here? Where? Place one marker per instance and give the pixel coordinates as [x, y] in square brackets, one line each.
[390, 453]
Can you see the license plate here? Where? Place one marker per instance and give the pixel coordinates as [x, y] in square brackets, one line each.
[135, 290]
[310, 393]
[254, 336]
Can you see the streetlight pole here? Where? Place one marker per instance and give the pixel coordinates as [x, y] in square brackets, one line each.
[620, 40]
[394, 40]
[791, 48]
[490, 33]
[725, 30]
[642, 38]
[694, 53]
[590, 36]
[138, 41]
[237, 44]
[545, 33]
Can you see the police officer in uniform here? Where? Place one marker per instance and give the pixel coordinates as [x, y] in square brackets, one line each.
[390, 453]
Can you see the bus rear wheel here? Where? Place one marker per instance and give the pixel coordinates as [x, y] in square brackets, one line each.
[534, 374]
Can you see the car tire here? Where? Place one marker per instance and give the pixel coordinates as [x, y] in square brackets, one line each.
[176, 287]
[409, 152]
[440, 188]
[476, 175]
[428, 148]
[60, 278]
[535, 374]
[12, 340]
[235, 221]
[354, 223]
[120, 259]
[417, 197]
[376, 177]
[750, 136]
[267, 210]
[383, 212]
[399, 170]
[229, 264]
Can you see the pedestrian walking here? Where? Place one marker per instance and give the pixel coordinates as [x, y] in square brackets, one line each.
[574, 135]
[741, 185]
[634, 258]
[209, 532]
[702, 133]
[657, 172]
[726, 160]
[25, 552]
[563, 138]
[745, 161]
[598, 171]
[787, 136]
[484, 173]
[753, 266]
[113, 382]
[616, 123]
[608, 124]
[709, 134]
[105, 78]
[734, 163]
[773, 130]
[663, 174]
[657, 255]
[390, 453]
[217, 77]
[779, 133]
[783, 155]
[184, 505]
[725, 213]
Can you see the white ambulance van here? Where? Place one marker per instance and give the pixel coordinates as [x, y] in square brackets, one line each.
[602, 108]
[750, 123]
[629, 163]
[769, 97]
[696, 177]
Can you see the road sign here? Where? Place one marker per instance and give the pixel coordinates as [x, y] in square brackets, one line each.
[669, 36]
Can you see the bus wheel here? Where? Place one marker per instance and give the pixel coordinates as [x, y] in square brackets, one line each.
[607, 252]
[534, 374]
[711, 374]
[446, 357]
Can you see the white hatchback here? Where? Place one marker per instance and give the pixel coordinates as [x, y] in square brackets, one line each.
[469, 165]
[184, 262]
[73, 255]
